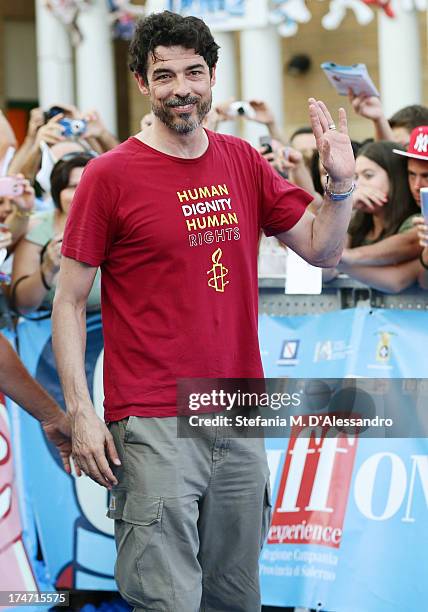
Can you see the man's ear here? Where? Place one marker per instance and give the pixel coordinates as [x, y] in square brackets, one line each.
[142, 85]
[213, 75]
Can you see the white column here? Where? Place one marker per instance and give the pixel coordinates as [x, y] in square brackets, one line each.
[95, 75]
[261, 75]
[54, 59]
[227, 76]
[400, 66]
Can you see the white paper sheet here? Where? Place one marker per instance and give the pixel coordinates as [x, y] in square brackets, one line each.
[302, 278]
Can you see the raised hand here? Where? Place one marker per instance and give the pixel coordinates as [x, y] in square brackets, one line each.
[24, 202]
[333, 144]
[263, 113]
[369, 107]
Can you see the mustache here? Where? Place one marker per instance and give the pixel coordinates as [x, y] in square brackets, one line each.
[182, 101]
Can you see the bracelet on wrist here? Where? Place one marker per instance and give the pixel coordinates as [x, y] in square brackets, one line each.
[421, 259]
[338, 197]
[44, 281]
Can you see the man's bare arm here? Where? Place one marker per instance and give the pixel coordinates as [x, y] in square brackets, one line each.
[92, 442]
[16, 383]
[320, 239]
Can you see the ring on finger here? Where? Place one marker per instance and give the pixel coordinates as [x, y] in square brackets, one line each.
[331, 126]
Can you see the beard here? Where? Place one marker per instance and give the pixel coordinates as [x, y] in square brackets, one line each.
[183, 123]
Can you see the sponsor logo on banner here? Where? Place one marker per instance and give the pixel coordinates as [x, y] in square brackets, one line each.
[289, 351]
[323, 351]
[383, 349]
[331, 350]
[308, 509]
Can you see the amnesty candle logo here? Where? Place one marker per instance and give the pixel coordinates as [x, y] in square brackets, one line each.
[219, 272]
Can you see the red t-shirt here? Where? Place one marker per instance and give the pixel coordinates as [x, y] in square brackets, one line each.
[176, 240]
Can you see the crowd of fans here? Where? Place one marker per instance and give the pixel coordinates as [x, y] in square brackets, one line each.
[388, 236]
[387, 239]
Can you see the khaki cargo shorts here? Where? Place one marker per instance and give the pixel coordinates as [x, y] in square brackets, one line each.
[191, 516]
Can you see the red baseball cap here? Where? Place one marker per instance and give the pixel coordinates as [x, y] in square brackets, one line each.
[418, 145]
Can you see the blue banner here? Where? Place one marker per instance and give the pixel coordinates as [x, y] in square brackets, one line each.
[349, 516]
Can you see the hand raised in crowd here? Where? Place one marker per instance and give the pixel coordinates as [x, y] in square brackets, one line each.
[369, 107]
[52, 257]
[58, 431]
[51, 132]
[24, 202]
[282, 158]
[95, 126]
[368, 199]
[263, 113]
[222, 110]
[333, 144]
[37, 119]
[291, 158]
[93, 447]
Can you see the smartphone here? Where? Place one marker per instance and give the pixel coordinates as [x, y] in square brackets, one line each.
[424, 202]
[10, 187]
[266, 143]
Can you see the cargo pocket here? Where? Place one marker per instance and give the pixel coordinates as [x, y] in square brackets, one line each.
[267, 513]
[141, 570]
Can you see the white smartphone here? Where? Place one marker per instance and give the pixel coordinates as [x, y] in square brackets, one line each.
[355, 77]
[424, 202]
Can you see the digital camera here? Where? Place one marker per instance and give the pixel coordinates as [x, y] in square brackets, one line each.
[73, 127]
[241, 108]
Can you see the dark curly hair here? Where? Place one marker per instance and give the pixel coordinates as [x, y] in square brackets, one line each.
[60, 176]
[169, 29]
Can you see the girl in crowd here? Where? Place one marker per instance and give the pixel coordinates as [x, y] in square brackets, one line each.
[383, 202]
[383, 246]
[37, 257]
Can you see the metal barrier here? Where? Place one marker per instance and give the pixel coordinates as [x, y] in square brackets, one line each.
[343, 292]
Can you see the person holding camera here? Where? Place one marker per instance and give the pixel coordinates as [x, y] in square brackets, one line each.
[173, 218]
[60, 124]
